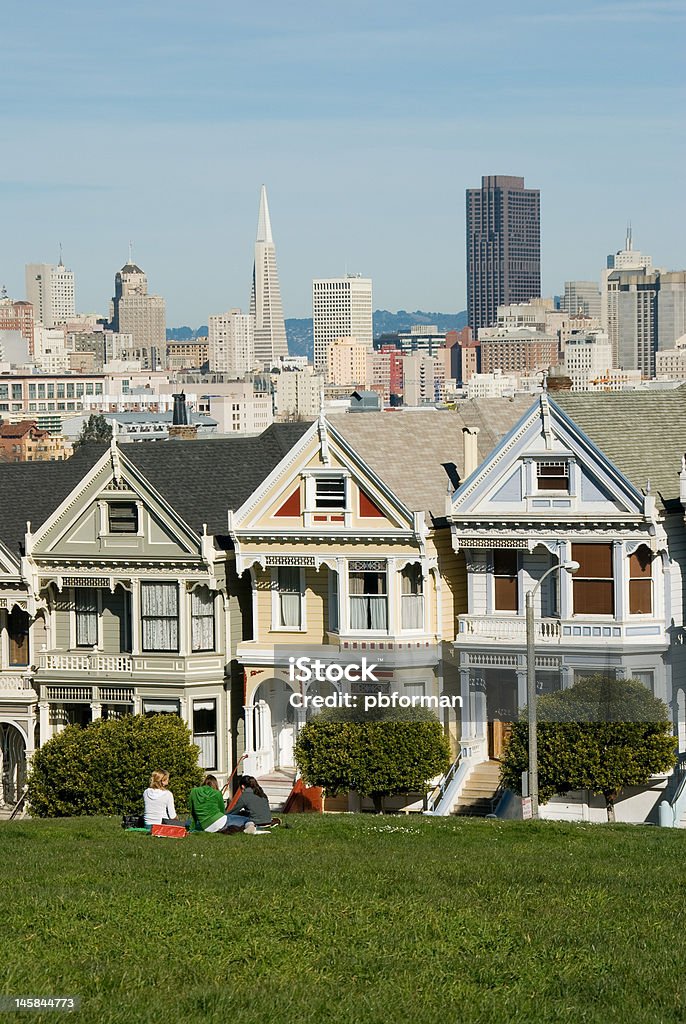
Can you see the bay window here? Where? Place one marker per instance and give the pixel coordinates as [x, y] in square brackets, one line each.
[368, 595]
[505, 580]
[289, 597]
[205, 732]
[641, 582]
[412, 597]
[202, 619]
[593, 585]
[86, 609]
[160, 616]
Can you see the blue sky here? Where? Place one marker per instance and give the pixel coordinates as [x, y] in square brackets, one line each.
[158, 122]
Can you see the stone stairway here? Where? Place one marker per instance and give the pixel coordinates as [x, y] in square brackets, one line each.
[476, 798]
[277, 785]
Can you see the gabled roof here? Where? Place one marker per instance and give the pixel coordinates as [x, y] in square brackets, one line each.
[200, 479]
[642, 432]
[417, 454]
[20, 429]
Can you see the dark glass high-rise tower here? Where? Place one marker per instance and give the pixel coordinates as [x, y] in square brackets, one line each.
[503, 246]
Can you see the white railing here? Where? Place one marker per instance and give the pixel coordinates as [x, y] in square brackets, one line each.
[85, 662]
[503, 627]
[12, 684]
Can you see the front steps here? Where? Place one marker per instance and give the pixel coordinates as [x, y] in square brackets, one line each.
[277, 785]
[476, 798]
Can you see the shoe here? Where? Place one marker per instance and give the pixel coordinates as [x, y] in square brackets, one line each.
[250, 829]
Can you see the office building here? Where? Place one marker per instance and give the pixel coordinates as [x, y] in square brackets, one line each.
[50, 290]
[347, 363]
[231, 343]
[265, 297]
[627, 258]
[587, 359]
[517, 350]
[341, 308]
[17, 316]
[503, 247]
[134, 312]
[581, 298]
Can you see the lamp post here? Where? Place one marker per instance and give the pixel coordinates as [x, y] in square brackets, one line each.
[571, 568]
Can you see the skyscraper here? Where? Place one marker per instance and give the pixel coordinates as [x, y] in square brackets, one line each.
[134, 312]
[341, 308]
[231, 341]
[50, 290]
[265, 298]
[503, 246]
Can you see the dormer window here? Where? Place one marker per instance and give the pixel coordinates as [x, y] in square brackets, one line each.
[553, 475]
[329, 493]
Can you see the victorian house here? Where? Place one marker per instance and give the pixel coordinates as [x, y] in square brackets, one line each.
[590, 480]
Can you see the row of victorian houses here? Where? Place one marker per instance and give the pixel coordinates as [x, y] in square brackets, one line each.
[181, 576]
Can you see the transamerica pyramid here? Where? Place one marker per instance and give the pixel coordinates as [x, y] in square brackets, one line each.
[265, 298]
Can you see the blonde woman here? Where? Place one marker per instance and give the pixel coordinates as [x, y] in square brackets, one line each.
[159, 802]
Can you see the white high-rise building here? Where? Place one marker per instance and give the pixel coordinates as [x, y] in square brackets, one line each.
[231, 342]
[341, 308]
[627, 258]
[265, 297]
[50, 290]
[587, 359]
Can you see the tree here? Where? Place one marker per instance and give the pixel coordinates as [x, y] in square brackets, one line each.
[601, 734]
[96, 428]
[376, 755]
[104, 768]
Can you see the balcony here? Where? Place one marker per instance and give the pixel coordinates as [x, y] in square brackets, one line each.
[13, 686]
[511, 629]
[124, 666]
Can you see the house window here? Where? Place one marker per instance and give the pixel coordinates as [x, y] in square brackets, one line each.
[122, 517]
[333, 601]
[160, 616]
[18, 629]
[412, 597]
[368, 595]
[288, 583]
[161, 707]
[202, 619]
[86, 609]
[205, 732]
[505, 580]
[329, 493]
[553, 475]
[593, 584]
[641, 582]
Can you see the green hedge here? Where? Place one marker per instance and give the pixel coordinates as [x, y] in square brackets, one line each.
[104, 768]
[376, 758]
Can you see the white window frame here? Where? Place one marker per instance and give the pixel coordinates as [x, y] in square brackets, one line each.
[422, 594]
[276, 626]
[388, 596]
[143, 618]
[213, 600]
[105, 515]
[334, 601]
[310, 477]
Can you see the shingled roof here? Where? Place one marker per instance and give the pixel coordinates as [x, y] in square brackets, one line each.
[200, 479]
[642, 432]
[417, 454]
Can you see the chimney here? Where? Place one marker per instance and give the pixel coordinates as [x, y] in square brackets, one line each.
[181, 428]
[471, 455]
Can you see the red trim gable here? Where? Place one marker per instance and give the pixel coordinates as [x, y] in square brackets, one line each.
[291, 506]
[368, 508]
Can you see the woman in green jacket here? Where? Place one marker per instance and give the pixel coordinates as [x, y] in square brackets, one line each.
[207, 807]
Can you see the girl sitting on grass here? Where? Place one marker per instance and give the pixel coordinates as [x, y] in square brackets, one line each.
[209, 812]
[159, 802]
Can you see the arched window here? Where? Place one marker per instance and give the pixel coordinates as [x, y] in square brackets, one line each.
[641, 581]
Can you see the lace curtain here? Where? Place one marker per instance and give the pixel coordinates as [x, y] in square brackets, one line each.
[86, 605]
[412, 597]
[368, 601]
[160, 616]
[202, 619]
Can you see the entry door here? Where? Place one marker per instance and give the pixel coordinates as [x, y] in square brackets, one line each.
[501, 707]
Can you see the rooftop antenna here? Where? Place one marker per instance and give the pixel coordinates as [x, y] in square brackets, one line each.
[61, 264]
[130, 252]
[628, 237]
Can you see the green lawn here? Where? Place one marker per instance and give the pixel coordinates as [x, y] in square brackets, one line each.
[349, 919]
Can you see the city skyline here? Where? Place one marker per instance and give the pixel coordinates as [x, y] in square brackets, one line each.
[185, 132]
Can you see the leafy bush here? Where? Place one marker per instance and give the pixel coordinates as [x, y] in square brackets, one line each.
[376, 755]
[104, 768]
[601, 734]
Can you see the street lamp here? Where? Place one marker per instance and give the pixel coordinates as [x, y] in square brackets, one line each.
[571, 568]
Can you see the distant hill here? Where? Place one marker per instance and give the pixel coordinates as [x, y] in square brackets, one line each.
[299, 331]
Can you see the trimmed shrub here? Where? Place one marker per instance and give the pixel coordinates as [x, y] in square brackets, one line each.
[601, 734]
[104, 768]
[378, 756]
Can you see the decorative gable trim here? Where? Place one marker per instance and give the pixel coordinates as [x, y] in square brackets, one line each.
[368, 508]
[291, 507]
